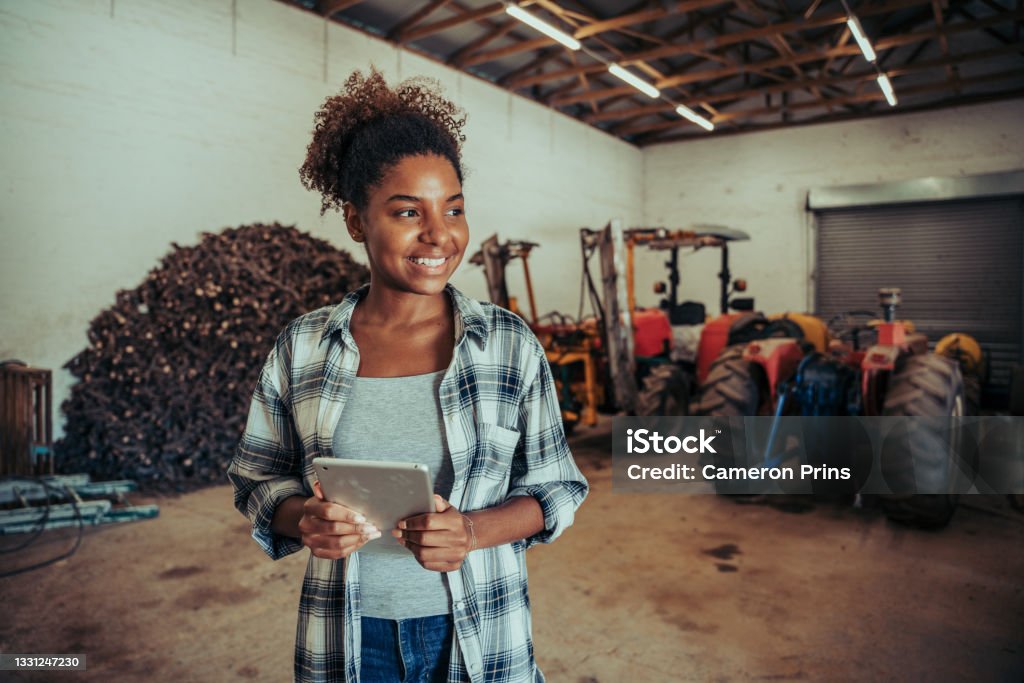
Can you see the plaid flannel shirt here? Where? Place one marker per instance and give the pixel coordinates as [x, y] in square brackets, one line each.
[504, 432]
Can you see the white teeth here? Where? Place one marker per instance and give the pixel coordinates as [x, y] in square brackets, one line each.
[432, 262]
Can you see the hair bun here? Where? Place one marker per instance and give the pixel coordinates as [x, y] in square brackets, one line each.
[368, 127]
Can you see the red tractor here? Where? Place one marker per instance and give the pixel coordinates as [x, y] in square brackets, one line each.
[893, 375]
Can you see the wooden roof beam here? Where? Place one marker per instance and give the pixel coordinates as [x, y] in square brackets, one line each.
[590, 30]
[859, 77]
[781, 45]
[459, 57]
[875, 95]
[651, 71]
[773, 29]
[540, 60]
[633, 18]
[398, 32]
[593, 94]
[328, 8]
[704, 45]
[990, 31]
[591, 17]
[523, 46]
[445, 24]
[509, 28]
[658, 138]
[524, 81]
[937, 10]
[825, 53]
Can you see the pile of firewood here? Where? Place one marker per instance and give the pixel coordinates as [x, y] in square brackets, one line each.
[165, 384]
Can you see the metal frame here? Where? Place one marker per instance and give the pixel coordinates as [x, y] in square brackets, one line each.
[618, 320]
[917, 190]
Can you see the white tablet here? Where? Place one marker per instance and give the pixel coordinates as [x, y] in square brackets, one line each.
[384, 492]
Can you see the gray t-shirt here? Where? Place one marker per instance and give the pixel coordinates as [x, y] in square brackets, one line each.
[398, 419]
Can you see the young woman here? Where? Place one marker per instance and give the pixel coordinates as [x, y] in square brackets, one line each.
[407, 368]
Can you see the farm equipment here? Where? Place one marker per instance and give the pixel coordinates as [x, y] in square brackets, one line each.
[655, 369]
[637, 358]
[572, 347]
[782, 374]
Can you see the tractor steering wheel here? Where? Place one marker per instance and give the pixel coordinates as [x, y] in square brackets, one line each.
[851, 326]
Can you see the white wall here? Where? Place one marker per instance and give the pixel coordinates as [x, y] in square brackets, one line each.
[759, 182]
[128, 125]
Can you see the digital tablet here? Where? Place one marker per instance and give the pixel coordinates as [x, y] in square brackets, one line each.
[384, 492]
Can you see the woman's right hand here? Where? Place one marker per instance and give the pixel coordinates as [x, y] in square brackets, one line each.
[333, 531]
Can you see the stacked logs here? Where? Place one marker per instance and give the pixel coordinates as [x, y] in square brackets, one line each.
[165, 383]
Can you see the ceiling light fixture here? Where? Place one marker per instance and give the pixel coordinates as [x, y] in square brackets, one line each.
[691, 115]
[638, 83]
[886, 85]
[543, 26]
[869, 54]
[517, 12]
[858, 34]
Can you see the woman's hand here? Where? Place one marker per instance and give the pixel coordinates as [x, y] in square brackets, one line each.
[333, 531]
[439, 540]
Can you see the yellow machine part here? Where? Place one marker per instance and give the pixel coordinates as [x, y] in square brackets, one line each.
[815, 330]
[964, 349]
[587, 390]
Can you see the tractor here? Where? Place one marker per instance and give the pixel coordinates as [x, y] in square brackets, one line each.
[651, 359]
[656, 369]
[573, 347]
[872, 367]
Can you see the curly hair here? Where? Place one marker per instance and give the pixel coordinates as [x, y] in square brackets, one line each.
[363, 131]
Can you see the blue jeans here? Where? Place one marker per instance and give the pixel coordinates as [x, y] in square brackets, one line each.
[407, 650]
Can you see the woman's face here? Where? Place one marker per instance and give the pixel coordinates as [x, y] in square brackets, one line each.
[414, 226]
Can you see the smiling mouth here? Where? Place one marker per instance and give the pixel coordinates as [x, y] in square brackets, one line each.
[429, 262]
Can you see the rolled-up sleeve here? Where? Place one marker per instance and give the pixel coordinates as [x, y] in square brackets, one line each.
[267, 463]
[543, 466]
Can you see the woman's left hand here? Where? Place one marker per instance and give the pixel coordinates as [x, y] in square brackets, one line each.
[439, 540]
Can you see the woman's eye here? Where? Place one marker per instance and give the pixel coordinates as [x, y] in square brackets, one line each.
[407, 213]
[455, 211]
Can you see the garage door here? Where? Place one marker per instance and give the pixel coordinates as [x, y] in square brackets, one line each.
[959, 264]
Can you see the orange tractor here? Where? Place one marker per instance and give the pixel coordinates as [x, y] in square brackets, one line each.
[893, 374]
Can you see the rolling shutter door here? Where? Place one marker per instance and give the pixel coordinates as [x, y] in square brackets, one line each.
[959, 264]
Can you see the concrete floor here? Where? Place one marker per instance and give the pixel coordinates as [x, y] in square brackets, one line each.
[642, 588]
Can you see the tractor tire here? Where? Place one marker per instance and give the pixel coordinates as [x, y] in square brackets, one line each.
[666, 391]
[731, 389]
[926, 385]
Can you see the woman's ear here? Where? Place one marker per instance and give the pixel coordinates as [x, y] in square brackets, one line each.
[353, 221]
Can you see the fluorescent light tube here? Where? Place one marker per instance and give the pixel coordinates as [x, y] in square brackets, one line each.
[543, 26]
[858, 34]
[641, 85]
[691, 115]
[886, 85]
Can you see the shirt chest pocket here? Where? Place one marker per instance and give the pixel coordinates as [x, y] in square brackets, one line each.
[495, 448]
